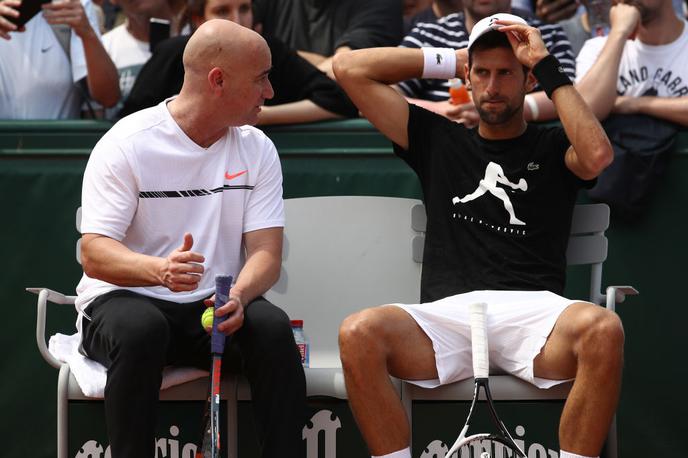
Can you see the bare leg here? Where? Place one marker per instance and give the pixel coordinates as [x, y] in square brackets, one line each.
[374, 344]
[586, 343]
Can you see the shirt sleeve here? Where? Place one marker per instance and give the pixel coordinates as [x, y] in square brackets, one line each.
[424, 129]
[373, 24]
[109, 195]
[265, 207]
[588, 55]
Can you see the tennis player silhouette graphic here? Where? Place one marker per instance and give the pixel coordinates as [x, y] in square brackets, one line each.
[493, 175]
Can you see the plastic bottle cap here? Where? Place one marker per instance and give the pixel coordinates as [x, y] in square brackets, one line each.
[297, 323]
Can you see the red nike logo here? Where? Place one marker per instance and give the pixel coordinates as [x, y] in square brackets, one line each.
[234, 175]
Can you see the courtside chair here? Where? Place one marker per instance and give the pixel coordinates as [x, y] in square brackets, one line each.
[341, 254]
[587, 246]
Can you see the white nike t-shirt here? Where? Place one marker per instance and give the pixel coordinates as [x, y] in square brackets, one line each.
[147, 183]
[36, 76]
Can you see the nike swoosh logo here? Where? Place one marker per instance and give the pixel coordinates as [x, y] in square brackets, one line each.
[45, 49]
[234, 175]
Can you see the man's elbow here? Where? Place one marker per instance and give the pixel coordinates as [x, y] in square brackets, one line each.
[106, 95]
[108, 99]
[339, 66]
[343, 66]
[601, 158]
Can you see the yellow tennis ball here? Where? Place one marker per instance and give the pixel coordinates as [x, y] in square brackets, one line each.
[207, 318]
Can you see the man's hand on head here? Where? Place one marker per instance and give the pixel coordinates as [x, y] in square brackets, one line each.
[71, 13]
[183, 268]
[9, 9]
[526, 42]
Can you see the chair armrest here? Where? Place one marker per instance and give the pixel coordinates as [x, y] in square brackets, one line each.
[617, 294]
[45, 295]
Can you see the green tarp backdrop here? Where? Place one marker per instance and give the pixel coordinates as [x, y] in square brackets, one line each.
[41, 167]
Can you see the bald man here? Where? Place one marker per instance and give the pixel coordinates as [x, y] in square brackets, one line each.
[172, 196]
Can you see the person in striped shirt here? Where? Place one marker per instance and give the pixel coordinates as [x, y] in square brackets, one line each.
[452, 32]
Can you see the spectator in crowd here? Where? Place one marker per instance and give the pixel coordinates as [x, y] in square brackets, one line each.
[318, 30]
[144, 293]
[128, 43]
[452, 32]
[550, 11]
[434, 11]
[646, 75]
[46, 77]
[577, 28]
[302, 92]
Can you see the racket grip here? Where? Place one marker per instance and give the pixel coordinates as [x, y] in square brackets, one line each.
[217, 339]
[478, 320]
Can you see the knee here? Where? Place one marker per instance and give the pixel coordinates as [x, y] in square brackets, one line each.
[269, 328]
[143, 340]
[602, 335]
[360, 336]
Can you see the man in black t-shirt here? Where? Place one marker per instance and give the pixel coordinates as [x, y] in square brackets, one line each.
[499, 201]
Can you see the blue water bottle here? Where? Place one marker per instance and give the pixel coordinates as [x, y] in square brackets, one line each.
[301, 340]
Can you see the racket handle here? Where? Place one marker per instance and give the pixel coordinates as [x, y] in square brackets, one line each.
[217, 339]
[478, 319]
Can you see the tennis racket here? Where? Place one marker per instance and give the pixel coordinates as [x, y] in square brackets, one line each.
[483, 445]
[209, 446]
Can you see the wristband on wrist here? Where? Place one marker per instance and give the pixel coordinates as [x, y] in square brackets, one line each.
[533, 106]
[439, 63]
[550, 74]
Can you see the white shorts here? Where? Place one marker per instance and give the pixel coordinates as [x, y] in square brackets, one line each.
[518, 324]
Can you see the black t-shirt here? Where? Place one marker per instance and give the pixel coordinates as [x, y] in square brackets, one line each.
[322, 26]
[292, 78]
[499, 211]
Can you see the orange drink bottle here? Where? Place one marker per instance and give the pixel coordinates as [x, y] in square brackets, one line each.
[458, 94]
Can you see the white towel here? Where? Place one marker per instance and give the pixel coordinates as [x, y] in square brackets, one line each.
[91, 375]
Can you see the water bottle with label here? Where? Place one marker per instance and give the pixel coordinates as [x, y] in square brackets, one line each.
[301, 340]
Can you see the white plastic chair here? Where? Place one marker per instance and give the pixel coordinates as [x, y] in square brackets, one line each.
[340, 254]
[587, 246]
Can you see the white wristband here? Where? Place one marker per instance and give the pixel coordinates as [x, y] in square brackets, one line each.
[532, 104]
[439, 63]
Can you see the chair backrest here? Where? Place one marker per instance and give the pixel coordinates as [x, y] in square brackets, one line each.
[343, 254]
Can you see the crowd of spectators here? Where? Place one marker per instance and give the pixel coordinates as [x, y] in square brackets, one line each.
[84, 58]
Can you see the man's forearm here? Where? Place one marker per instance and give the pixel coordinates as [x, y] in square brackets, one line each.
[598, 86]
[294, 112]
[109, 260]
[102, 77]
[674, 109]
[544, 108]
[260, 272]
[592, 150]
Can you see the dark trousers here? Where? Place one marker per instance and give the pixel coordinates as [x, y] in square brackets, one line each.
[135, 337]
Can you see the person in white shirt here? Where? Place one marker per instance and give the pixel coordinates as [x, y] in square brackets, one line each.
[174, 195]
[128, 44]
[38, 76]
[641, 66]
